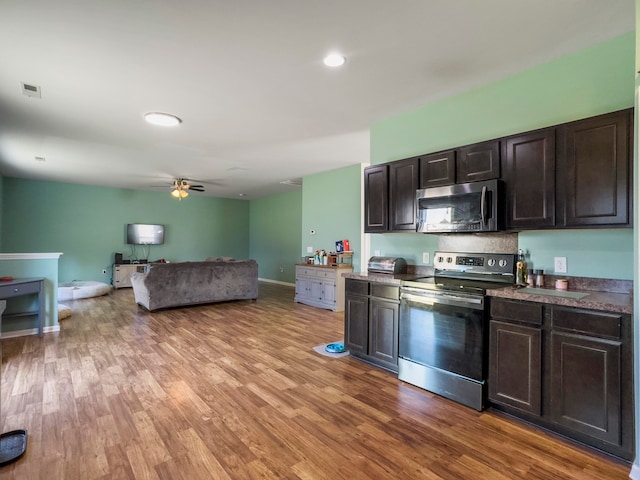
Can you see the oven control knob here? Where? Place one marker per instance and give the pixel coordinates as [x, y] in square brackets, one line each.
[449, 259]
[502, 263]
[491, 262]
[440, 259]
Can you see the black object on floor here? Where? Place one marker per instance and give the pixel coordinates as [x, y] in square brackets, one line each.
[13, 444]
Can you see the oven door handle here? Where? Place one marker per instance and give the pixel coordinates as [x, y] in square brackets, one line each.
[443, 299]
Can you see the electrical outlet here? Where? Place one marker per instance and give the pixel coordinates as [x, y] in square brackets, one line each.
[425, 257]
[104, 272]
[376, 253]
[309, 249]
[560, 264]
[281, 269]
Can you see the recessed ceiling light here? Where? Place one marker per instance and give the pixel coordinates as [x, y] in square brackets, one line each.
[334, 60]
[162, 119]
[242, 194]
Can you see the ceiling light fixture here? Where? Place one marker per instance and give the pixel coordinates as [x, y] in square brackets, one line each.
[179, 193]
[334, 60]
[162, 119]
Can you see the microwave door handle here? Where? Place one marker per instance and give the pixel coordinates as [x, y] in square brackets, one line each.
[483, 205]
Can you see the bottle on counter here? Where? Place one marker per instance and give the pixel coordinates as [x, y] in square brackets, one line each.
[521, 269]
[539, 278]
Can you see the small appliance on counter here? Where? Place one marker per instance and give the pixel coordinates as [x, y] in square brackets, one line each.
[387, 265]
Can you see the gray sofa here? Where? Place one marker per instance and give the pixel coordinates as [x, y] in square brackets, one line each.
[166, 285]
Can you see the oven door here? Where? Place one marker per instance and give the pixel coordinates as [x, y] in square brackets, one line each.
[444, 331]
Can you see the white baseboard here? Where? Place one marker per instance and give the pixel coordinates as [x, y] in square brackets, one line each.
[268, 280]
[635, 472]
[30, 331]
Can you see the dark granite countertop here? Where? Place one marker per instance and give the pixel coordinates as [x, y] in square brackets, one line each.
[380, 277]
[595, 294]
[605, 301]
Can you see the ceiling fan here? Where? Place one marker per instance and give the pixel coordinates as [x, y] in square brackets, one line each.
[181, 186]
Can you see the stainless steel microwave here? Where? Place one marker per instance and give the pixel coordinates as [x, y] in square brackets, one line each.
[465, 207]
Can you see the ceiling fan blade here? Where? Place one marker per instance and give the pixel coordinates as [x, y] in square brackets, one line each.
[197, 188]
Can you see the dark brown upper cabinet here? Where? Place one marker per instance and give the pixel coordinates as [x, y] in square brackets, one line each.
[438, 169]
[390, 196]
[403, 183]
[529, 169]
[376, 199]
[480, 161]
[594, 171]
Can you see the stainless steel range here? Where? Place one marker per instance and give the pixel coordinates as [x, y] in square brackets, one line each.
[444, 326]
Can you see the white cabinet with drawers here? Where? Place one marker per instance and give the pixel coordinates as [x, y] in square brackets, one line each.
[122, 273]
[321, 286]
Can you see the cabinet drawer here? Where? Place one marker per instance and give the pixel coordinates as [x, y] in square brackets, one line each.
[8, 291]
[356, 287]
[385, 291]
[586, 321]
[324, 273]
[525, 312]
[305, 271]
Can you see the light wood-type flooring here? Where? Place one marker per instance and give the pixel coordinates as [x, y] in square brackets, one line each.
[235, 391]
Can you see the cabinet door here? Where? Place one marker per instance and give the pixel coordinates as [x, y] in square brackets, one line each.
[585, 385]
[316, 289]
[329, 293]
[302, 288]
[383, 333]
[529, 170]
[480, 161]
[376, 199]
[356, 324]
[437, 169]
[596, 171]
[515, 366]
[403, 183]
[122, 275]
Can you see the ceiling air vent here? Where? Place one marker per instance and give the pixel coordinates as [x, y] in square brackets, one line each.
[31, 90]
[296, 182]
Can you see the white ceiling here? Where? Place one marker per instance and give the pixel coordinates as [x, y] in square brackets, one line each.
[246, 76]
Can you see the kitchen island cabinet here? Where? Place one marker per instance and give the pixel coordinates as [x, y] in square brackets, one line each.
[566, 369]
[371, 322]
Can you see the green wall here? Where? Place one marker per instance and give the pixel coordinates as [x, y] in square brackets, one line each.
[596, 80]
[331, 206]
[87, 224]
[275, 235]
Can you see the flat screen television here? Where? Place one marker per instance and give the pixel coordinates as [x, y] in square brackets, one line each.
[145, 234]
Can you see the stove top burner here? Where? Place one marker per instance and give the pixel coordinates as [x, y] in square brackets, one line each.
[454, 284]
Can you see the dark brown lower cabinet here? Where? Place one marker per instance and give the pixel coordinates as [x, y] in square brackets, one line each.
[356, 316]
[570, 373]
[383, 332]
[515, 376]
[585, 385]
[371, 322]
